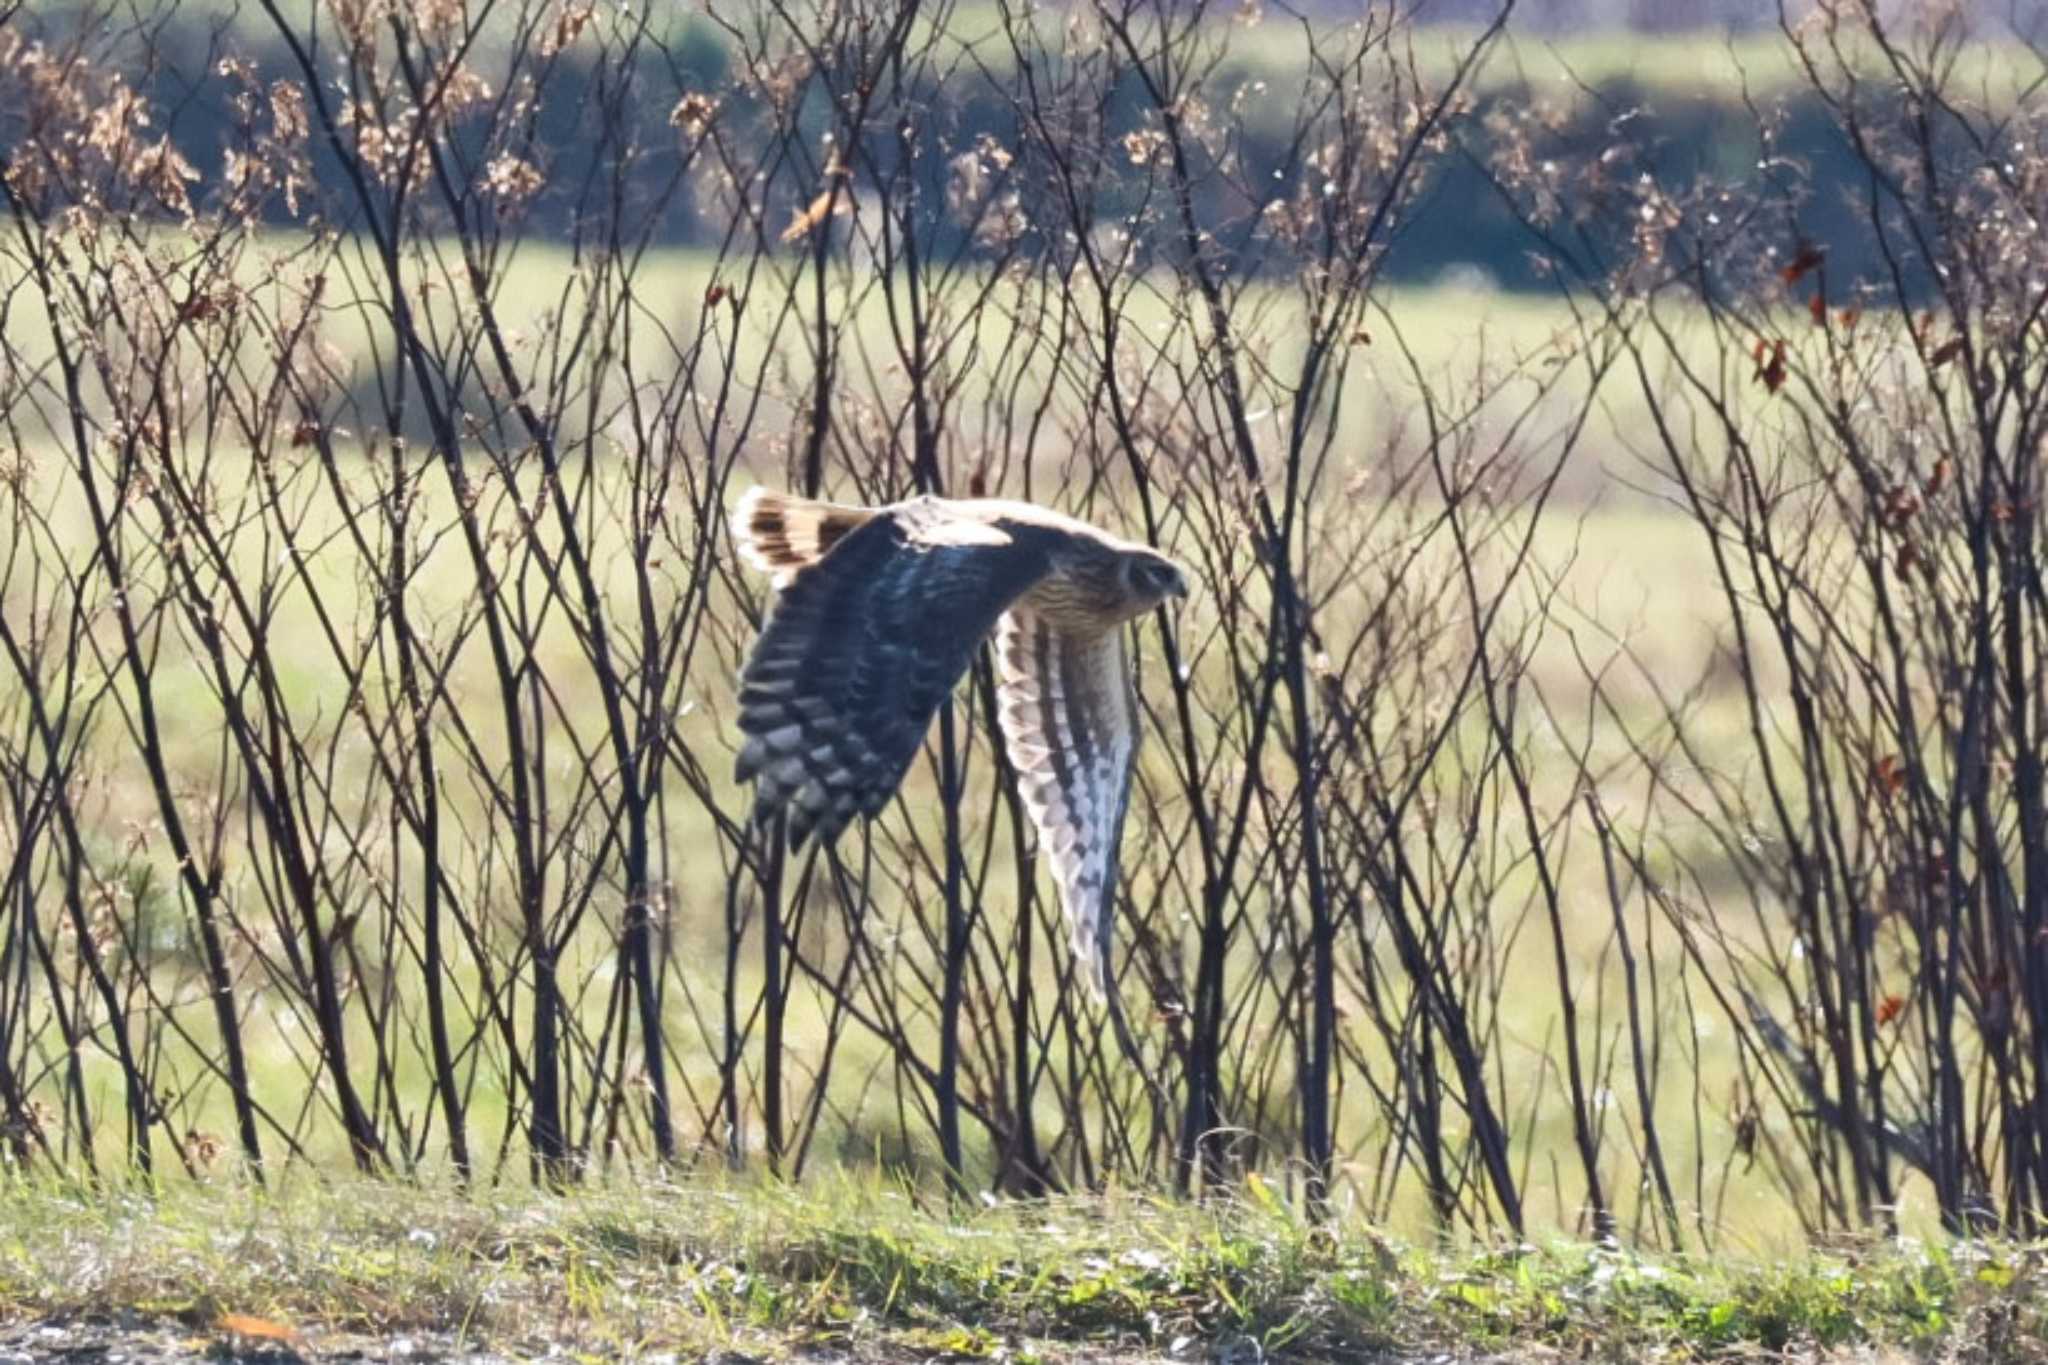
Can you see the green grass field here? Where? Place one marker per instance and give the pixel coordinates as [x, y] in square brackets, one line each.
[861, 1270]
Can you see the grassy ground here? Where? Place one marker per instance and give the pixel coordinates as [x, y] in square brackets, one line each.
[864, 1271]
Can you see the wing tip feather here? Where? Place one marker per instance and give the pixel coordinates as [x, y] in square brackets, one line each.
[780, 534]
[757, 529]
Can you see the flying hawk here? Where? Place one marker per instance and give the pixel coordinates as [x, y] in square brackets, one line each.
[879, 612]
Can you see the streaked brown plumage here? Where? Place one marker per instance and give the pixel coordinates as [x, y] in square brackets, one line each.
[879, 614]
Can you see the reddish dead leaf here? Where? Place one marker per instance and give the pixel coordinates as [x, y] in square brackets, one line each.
[202, 1147]
[1908, 558]
[1848, 318]
[1770, 364]
[1938, 479]
[1361, 337]
[305, 433]
[1900, 504]
[1804, 261]
[1890, 1008]
[1817, 309]
[263, 1329]
[1947, 351]
[714, 296]
[1890, 774]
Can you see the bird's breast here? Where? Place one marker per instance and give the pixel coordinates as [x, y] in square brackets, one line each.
[1067, 605]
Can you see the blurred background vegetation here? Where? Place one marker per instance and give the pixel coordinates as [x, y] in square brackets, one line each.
[1678, 79]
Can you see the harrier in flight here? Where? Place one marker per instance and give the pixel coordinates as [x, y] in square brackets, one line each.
[879, 613]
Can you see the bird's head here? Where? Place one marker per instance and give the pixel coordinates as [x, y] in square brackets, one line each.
[1150, 578]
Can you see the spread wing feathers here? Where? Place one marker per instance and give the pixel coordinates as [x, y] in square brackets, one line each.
[781, 534]
[1070, 719]
[861, 648]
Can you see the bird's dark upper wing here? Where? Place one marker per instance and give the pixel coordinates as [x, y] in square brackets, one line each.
[859, 651]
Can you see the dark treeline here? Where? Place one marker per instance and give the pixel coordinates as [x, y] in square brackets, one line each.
[1459, 223]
